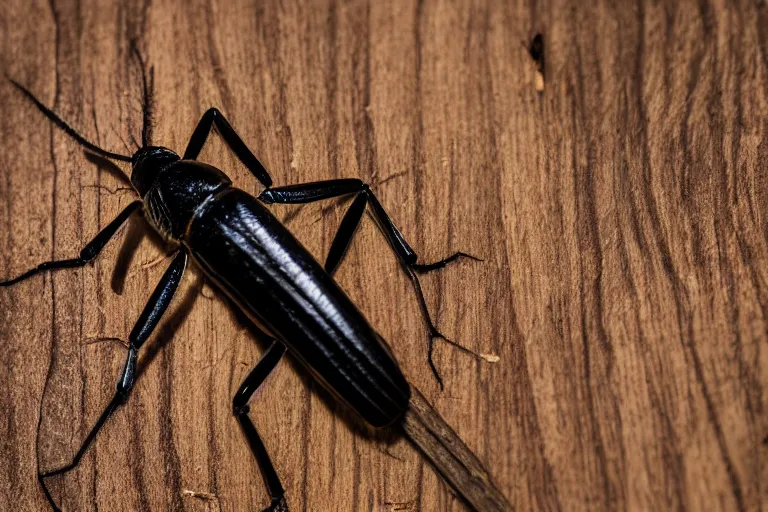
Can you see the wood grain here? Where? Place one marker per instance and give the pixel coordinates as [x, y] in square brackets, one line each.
[620, 213]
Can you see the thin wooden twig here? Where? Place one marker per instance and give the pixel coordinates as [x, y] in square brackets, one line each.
[461, 468]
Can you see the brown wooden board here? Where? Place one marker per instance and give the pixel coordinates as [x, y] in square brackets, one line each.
[617, 199]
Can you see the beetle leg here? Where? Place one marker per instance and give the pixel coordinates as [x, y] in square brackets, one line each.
[408, 260]
[345, 233]
[310, 192]
[214, 116]
[240, 409]
[429, 267]
[88, 253]
[143, 328]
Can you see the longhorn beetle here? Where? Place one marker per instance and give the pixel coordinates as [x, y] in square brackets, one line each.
[259, 264]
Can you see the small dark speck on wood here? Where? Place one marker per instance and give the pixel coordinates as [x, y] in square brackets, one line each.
[536, 51]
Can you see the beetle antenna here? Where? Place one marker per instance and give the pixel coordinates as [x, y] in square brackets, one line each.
[121, 139]
[148, 89]
[134, 141]
[66, 128]
[149, 107]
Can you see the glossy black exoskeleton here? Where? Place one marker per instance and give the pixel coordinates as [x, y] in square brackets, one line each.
[261, 266]
[255, 260]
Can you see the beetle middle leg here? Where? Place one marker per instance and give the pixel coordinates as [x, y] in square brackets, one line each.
[240, 409]
[309, 192]
[89, 252]
[143, 328]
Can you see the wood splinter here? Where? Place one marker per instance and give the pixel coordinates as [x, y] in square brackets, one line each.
[450, 456]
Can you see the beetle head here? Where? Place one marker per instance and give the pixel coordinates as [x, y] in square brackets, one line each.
[147, 163]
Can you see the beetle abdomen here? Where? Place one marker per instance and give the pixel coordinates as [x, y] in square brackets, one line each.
[275, 280]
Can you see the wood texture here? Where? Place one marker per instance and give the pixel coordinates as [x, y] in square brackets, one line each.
[620, 213]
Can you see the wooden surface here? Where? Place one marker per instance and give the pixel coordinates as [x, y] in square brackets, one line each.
[620, 213]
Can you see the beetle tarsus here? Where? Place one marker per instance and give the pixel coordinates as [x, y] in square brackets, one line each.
[277, 505]
[424, 268]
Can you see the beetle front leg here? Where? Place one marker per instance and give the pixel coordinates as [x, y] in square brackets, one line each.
[146, 323]
[88, 253]
[200, 135]
[240, 409]
[310, 192]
